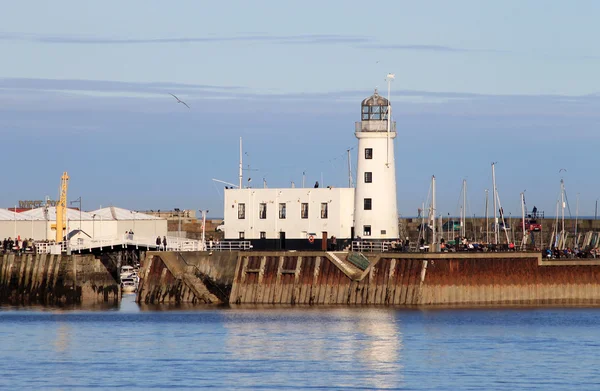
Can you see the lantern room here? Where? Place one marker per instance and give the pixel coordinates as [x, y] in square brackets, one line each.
[375, 108]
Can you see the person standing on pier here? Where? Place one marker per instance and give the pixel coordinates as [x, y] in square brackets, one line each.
[165, 243]
[158, 243]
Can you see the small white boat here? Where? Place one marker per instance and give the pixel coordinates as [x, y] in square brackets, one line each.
[129, 285]
[126, 271]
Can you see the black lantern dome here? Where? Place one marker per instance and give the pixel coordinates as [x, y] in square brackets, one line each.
[374, 108]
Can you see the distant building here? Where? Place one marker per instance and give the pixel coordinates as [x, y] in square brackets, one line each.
[109, 222]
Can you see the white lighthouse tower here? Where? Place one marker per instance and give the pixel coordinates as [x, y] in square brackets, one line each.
[375, 209]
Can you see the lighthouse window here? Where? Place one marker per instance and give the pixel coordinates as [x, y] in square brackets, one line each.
[367, 204]
[365, 113]
[304, 210]
[241, 235]
[366, 230]
[368, 177]
[241, 211]
[375, 112]
[324, 210]
[282, 210]
[262, 211]
[263, 235]
[368, 153]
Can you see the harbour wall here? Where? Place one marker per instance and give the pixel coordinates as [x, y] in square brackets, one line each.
[406, 279]
[187, 277]
[27, 279]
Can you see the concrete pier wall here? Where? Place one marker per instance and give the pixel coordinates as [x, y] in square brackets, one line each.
[326, 278]
[187, 277]
[55, 280]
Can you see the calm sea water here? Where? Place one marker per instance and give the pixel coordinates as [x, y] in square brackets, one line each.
[300, 348]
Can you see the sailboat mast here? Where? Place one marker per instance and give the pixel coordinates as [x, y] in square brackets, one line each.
[433, 213]
[576, 218]
[523, 221]
[562, 200]
[487, 223]
[494, 200]
[349, 170]
[464, 210]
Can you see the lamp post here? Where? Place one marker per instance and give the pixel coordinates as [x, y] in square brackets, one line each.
[448, 239]
[179, 221]
[94, 226]
[596, 210]
[204, 212]
[133, 212]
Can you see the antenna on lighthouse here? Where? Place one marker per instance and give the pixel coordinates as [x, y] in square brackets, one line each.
[241, 174]
[389, 78]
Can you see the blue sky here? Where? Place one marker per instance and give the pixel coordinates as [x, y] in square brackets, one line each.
[84, 88]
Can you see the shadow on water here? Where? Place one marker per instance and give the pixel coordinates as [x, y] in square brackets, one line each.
[128, 304]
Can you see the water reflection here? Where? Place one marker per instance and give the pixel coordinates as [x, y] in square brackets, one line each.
[63, 336]
[366, 342]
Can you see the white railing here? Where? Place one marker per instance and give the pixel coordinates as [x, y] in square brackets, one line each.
[366, 246]
[173, 244]
[50, 247]
[374, 126]
[229, 246]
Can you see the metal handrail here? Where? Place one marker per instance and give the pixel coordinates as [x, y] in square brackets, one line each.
[173, 244]
[368, 246]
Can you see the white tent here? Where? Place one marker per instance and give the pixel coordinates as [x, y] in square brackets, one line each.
[141, 224]
[110, 222]
[14, 224]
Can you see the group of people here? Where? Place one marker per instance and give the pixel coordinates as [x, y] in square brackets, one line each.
[17, 245]
[568, 252]
[464, 244]
[161, 244]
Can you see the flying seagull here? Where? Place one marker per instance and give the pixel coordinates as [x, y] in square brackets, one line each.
[179, 100]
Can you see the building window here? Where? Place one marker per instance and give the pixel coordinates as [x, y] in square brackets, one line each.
[241, 211]
[282, 210]
[368, 177]
[383, 231]
[368, 204]
[262, 210]
[304, 210]
[263, 235]
[366, 230]
[368, 153]
[324, 210]
[241, 234]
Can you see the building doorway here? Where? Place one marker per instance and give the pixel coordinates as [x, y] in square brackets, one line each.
[282, 240]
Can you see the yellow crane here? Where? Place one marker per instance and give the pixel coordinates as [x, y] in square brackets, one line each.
[61, 208]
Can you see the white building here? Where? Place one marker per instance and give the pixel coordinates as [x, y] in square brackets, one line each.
[281, 217]
[110, 222]
[297, 218]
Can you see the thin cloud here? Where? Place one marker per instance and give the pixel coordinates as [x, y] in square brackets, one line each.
[17, 92]
[427, 48]
[107, 86]
[258, 38]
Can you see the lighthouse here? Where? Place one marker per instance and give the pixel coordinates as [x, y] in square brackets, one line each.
[375, 209]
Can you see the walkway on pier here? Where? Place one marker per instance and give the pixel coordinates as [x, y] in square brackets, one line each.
[128, 240]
